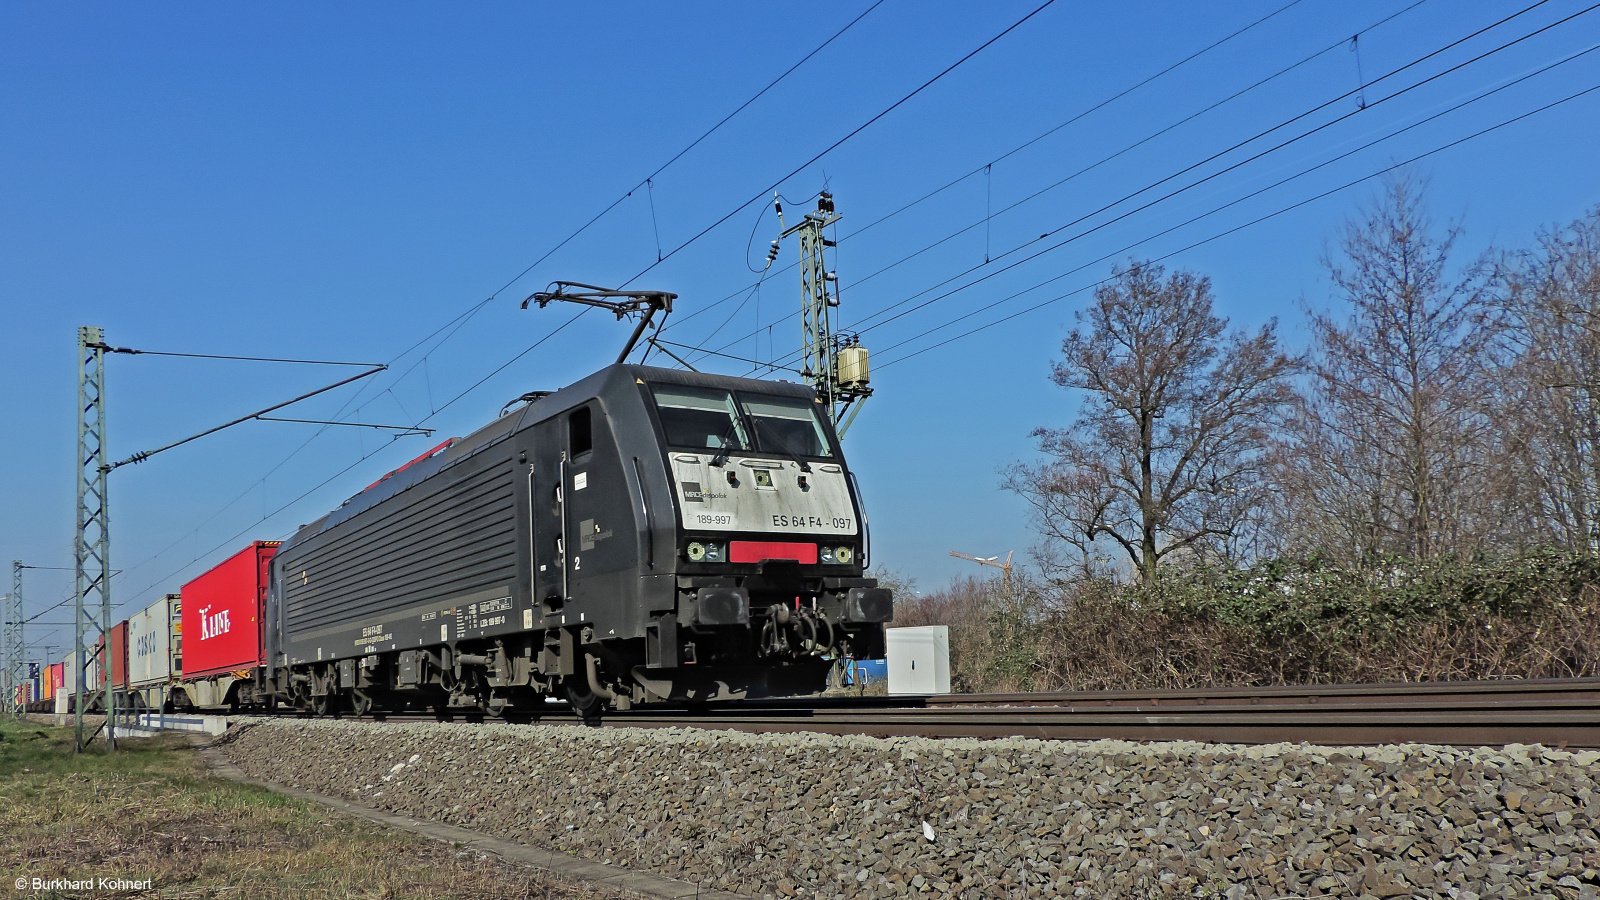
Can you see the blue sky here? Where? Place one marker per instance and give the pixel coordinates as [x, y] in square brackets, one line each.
[343, 181]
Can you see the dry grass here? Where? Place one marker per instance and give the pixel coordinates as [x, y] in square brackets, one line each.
[150, 811]
[994, 640]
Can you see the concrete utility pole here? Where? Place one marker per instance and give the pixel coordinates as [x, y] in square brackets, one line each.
[1004, 567]
[91, 549]
[835, 364]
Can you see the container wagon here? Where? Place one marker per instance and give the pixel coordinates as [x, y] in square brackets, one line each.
[155, 654]
[221, 615]
[119, 663]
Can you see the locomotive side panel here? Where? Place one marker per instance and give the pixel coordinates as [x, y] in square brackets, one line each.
[432, 564]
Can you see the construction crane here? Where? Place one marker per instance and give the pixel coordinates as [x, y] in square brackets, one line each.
[1004, 567]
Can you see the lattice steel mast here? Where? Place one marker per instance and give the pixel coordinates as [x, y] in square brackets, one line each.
[14, 642]
[92, 545]
[834, 364]
[91, 551]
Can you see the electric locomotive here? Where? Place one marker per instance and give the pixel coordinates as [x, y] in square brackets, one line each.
[645, 534]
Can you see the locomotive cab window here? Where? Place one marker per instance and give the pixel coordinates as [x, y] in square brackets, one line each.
[580, 434]
[786, 425]
[700, 418]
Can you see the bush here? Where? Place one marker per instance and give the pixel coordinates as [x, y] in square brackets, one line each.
[994, 639]
[1278, 622]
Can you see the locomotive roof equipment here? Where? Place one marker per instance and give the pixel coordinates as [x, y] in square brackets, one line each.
[633, 301]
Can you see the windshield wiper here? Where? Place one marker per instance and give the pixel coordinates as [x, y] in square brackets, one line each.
[787, 449]
[721, 457]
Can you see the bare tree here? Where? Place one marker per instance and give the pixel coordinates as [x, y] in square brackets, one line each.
[1166, 453]
[1388, 451]
[1549, 409]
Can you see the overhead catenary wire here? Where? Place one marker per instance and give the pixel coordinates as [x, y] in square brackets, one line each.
[728, 356]
[271, 359]
[761, 195]
[1258, 192]
[33, 619]
[499, 369]
[363, 458]
[1232, 167]
[469, 313]
[29, 620]
[458, 322]
[1026, 144]
[1256, 221]
[1113, 254]
[1119, 153]
[143, 455]
[692, 144]
[1061, 182]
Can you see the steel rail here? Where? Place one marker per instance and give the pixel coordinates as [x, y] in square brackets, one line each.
[1553, 723]
[1508, 690]
[1556, 712]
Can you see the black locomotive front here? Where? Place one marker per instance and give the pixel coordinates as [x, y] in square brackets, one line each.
[643, 534]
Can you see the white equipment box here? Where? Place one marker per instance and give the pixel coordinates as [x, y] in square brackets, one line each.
[919, 660]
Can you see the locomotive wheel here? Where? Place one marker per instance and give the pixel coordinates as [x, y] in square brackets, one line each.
[584, 702]
[360, 704]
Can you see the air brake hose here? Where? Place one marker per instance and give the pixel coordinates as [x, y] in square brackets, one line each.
[594, 679]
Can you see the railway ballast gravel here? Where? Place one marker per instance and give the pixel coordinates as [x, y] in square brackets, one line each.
[816, 815]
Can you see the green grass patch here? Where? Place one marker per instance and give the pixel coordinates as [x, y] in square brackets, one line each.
[150, 811]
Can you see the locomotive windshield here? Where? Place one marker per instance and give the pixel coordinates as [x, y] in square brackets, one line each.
[786, 425]
[711, 419]
[701, 418]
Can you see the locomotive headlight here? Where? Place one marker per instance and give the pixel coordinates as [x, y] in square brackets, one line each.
[696, 551]
[714, 553]
[827, 555]
[843, 555]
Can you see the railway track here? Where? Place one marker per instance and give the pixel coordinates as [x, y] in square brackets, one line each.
[1558, 713]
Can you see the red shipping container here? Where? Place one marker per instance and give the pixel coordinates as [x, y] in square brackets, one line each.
[223, 611]
[119, 655]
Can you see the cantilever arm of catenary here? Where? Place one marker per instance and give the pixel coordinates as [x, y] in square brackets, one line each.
[143, 455]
